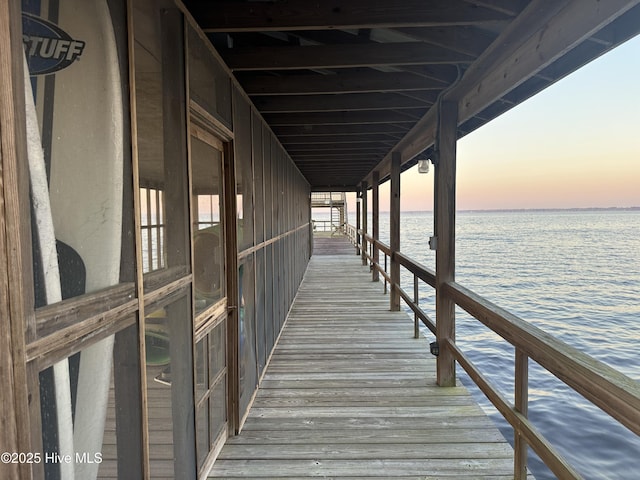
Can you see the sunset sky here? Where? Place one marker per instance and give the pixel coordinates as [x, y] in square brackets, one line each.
[576, 144]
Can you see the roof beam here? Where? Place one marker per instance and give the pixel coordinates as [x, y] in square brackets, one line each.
[331, 130]
[337, 155]
[227, 16]
[466, 40]
[326, 147]
[387, 139]
[356, 82]
[342, 118]
[341, 102]
[509, 7]
[340, 56]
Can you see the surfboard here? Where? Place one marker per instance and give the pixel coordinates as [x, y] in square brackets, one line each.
[72, 58]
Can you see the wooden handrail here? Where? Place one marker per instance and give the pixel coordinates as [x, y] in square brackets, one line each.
[423, 273]
[554, 460]
[430, 324]
[613, 392]
[609, 389]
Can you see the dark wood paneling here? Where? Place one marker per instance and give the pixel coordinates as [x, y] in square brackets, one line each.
[350, 82]
[341, 56]
[303, 14]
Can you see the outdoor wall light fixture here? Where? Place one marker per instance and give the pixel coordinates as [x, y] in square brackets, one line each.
[423, 166]
[434, 348]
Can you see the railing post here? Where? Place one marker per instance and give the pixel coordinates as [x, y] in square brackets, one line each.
[357, 237]
[385, 271]
[394, 231]
[375, 190]
[416, 300]
[364, 222]
[522, 406]
[445, 214]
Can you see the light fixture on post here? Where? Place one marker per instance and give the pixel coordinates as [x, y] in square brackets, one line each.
[423, 165]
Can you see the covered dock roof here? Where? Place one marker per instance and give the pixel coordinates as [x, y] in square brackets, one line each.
[345, 83]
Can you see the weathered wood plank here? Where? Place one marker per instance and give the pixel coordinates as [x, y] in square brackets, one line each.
[350, 393]
[356, 82]
[374, 451]
[387, 468]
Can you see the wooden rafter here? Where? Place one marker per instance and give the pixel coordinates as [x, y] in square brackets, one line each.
[348, 82]
[304, 14]
[342, 118]
[340, 56]
[337, 103]
[327, 147]
[337, 139]
[332, 130]
[466, 40]
[508, 7]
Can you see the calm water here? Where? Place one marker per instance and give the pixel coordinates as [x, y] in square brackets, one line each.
[576, 275]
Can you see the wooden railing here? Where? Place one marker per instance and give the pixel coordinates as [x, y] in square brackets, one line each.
[610, 390]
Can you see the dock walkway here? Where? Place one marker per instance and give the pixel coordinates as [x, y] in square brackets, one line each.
[350, 393]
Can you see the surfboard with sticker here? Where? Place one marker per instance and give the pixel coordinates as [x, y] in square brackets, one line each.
[74, 75]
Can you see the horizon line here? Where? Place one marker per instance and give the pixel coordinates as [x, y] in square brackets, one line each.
[534, 209]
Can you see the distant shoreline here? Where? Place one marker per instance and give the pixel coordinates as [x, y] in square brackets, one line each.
[580, 209]
[532, 210]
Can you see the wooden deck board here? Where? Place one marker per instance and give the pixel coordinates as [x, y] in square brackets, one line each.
[349, 393]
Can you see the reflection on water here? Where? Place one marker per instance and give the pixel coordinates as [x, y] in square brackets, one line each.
[576, 275]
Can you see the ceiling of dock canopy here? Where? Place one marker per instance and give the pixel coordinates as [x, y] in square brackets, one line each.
[344, 82]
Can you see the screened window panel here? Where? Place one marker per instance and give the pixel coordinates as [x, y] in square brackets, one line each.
[208, 228]
[258, 178]
[247, 332]
[244, 171]
[209, 84]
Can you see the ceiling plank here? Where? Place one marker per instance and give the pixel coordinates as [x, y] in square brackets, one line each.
[337, 156]
[342, 118]
[327, 147]
[342, 102]
[340, 56]
[509, 7]
[337, 139]
[467, 40]
[354, 82]
[330, 130]
[228, 16]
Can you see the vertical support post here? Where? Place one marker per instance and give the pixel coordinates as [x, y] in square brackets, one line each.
[522, 406]
[358, 202]
[416, 300]
[394, 231]
[21, 425]
[375, 191]
[364, 223]
[385, 271]
[231, 252]
[445, 213]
